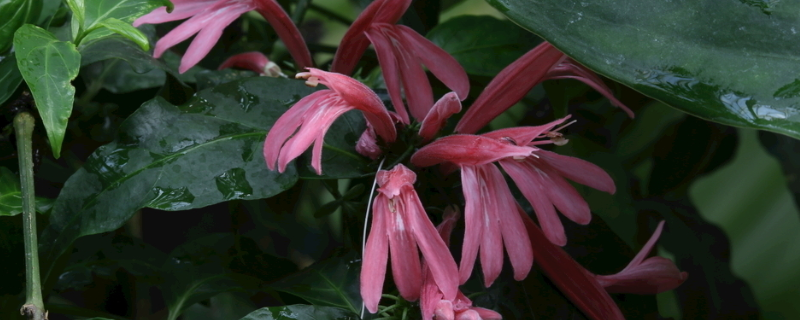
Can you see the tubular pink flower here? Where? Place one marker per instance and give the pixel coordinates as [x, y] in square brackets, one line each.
[645, 276]
[210, 17]
[571, 278]
[431, 299]
[254, 61]
[367, 144]
[540, 176]
[355, 41]
[508, 87]
[400, 226]
[308, 120]
[448, 105]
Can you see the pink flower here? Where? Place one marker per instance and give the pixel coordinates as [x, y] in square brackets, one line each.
[514, 81]
[401, 53]
[432, 300]
[254, 61]
[210, 17]
[400, 226]
[448, 105]
[308, 120]
[645, 276]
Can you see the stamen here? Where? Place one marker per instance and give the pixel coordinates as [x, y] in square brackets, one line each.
[564, 126]
[311, 81]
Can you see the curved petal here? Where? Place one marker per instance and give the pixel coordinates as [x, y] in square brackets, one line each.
[448, 105]
[441, 63]
[181, 10]
[473, 209]
[653, 276]
[287, 31]
[492, 239]
[562, 194]
[212, 27]
[468, 150]
[315, 124]
[570, 69]
[487, 314]
[287, 125]
[578, 170]
[376, 253]
[254, 61]
[391, 74]
[515, 238]
[509, 86]
[522, 136]
[415, 82]
[406, 267]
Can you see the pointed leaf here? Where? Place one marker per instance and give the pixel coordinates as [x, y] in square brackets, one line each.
[48, 66]
[300, 312]
[176, 158]
[128, 31]
[732, 62]
[11, 195]
[15, 13]
[10, 78]
[332, 282]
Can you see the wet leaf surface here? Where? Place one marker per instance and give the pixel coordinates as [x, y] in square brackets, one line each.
[332, 282]
[300, 312]
[733, 62]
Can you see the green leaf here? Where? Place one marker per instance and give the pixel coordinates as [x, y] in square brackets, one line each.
[483, 45]
[339, 157]
[332, 282]
[11, 195]
[99, 12]
[167, 157]
[78, 9]
[196, 271]
[726, 61]
[16, 13]
[128, 31]
[48, 66]
[300, 312]
[10, 78]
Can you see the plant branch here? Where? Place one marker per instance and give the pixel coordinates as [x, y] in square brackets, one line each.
[34, 306]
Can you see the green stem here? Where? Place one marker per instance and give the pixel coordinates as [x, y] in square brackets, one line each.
[330, 14]
[300, 11]
[34, 306]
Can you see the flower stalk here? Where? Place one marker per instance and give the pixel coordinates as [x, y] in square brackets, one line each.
[34, 305]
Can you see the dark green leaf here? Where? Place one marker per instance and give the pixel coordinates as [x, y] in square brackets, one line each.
[196, 271]
[483, 45]
[15, 13]
[339, 157]
[787, 151]
[727, 61]
[48, 66]
[300, 312]
[11, 195]
[10, 78]
[332, 282]
[176, 158]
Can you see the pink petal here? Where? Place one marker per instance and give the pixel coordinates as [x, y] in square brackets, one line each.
[468, 315]
[522, 136]
[391, 74]
[569, 69]
[212, 28]
[448, 105]
[415, 82]
[430, 295]
[287, 125]
[181, 10]
[362, 98]
[562, 194]
[315, 124]
[449, 219]
[287, 31]
[437, 255]
[580, 171]
[654, 275]
[367, 144]
[509, 86]
[492, 239]
[354, 43]
[444, 310]
[487, 314]
[466, 149]
[376, 252]
[406, 266]
[441, 63]
[473, 212]
[571, 278]
[254, 61]
[532, 186]
[515, 237]
[398, 179]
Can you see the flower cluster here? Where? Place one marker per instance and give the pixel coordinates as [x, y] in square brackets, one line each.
[421, 261]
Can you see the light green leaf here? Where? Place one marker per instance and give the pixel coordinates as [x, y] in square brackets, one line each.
[48, 66]
[735, 62]
[128, 31]
[11, 195]
[10, 78]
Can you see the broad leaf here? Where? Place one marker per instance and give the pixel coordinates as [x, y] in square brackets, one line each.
[176, 158]
[15, 13]
[300, 312]
[48, 66]
[332, 282]
[339, 157]
[126, 30]
[483, 45]
[785, 150]
[10, 78]
[729, 61]
[197, 271]
[104, 18]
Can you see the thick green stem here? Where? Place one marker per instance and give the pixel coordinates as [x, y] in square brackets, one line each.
[34, 306]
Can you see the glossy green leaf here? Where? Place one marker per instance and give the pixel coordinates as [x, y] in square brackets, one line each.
[300, 312]
[196, 271]
[728, 61]
[128, 31]
[14, 14]
[48, 66]
[11, 195]
[332, 282]
[10, 78]
[176, 158]
[339, 157]
[483, 45]
[78, 9]
[125, 11]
